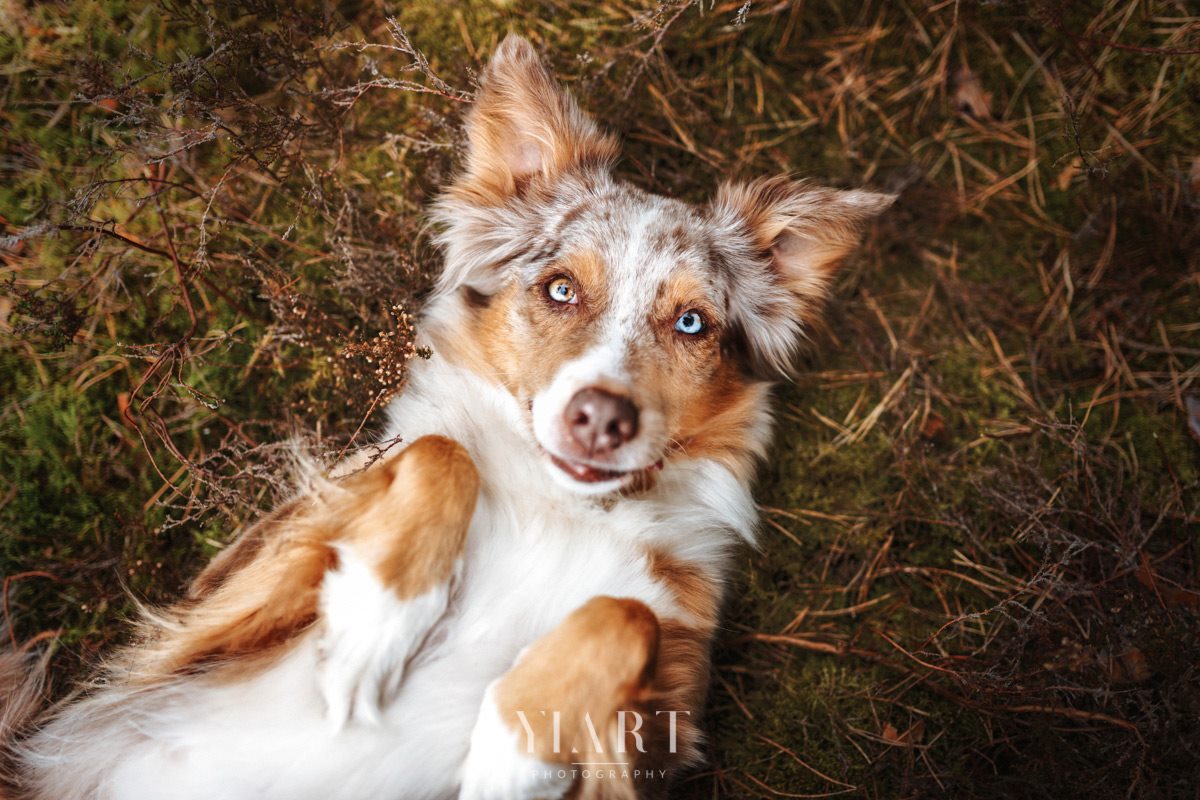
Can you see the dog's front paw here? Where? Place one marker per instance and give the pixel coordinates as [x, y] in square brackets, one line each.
[369, 634]
[500, 764]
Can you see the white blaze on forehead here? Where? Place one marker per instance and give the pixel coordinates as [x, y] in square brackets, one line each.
[637, 273]
[640, 238]
[640, 253]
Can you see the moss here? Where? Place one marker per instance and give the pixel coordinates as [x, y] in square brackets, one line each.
[72, 481]
[980, 524]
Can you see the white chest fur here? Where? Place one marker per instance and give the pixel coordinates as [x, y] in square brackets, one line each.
[533, 554]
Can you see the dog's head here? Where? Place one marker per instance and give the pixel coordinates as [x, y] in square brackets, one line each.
[632, 327]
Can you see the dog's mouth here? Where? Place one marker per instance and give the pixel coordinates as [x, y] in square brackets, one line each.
[587, 473]
[590, 474]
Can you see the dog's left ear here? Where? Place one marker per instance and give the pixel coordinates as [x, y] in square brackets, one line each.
[783, 241]
[525, 126]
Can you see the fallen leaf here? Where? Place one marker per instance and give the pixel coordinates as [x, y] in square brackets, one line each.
[1170, 595]
[934, 428]
[1063, 181]
[35, 31]
[124, 411]
[1129, 666]
[909, 737]
[969, 96]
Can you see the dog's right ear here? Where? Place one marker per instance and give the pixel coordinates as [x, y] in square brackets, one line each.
[524, 126]
[524, 130]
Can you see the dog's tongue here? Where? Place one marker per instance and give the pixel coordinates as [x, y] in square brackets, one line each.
[585, 473]
[589, 474]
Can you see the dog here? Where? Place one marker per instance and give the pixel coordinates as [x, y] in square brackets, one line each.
[521, 602]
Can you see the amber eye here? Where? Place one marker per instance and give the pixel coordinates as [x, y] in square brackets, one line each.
[562, 290]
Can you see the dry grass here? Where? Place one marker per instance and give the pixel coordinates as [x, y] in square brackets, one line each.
[980, 576]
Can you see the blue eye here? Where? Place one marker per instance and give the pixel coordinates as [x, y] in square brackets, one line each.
[690, 322]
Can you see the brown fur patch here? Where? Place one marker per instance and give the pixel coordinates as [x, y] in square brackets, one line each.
[523, 128]
[599, 661]
[523, 337]
[682, 292]
[680, 685]
[255, 609]
[718, 422]
[709, 404]
[807, 229]
[691, 588]
[241, 551]
[587, 270]
[408, 517]
[22, 696]
[413, 536]
[681, 680]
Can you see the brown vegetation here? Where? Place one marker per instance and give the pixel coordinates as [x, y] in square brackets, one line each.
[980, 574]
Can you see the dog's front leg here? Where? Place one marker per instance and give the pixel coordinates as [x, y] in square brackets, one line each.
[571, 705]
[396, 563]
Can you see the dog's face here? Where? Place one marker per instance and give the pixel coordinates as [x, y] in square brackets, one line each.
[632, 327]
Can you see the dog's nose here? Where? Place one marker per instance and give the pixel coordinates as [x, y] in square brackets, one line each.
[600, 421]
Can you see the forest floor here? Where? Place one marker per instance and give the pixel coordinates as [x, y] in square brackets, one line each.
[980, 570]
